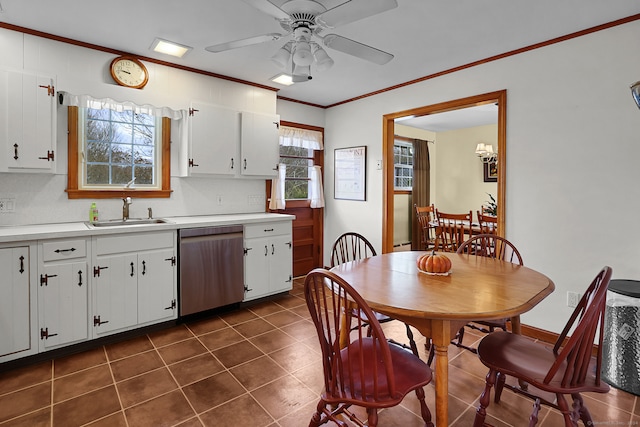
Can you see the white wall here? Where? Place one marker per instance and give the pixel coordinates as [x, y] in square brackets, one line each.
[459, 172]
[572, 154]
[41, 198]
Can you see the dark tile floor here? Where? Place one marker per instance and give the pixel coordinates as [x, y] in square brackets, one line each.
[257, 366]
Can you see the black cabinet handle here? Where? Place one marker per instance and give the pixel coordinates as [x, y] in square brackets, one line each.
[58, 251]
[79, 277]
[21, 264]
[15, 152]
[144, 267]
[131, 269]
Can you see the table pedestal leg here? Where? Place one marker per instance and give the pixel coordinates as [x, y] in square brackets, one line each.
[441, 331]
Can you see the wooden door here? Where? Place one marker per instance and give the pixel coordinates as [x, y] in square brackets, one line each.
[307, 236]
[308, 227]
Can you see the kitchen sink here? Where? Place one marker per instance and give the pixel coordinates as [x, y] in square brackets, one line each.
[124, 223]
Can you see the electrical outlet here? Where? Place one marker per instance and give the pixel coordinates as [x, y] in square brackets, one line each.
[573, 298]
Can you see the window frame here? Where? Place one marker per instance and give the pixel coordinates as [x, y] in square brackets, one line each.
[398, 142]
[76, 192]
[308, 158]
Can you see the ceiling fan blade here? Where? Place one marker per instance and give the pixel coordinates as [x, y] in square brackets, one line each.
[354, 48]
[242, 43]
[354, 10]
[269, 8]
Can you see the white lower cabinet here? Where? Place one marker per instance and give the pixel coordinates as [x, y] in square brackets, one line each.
[63, 293]
[15, 303]
[268, 259]
[134, 281]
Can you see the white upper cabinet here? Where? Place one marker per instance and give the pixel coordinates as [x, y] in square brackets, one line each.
[27, 122]
[259, 149]
[214, 139]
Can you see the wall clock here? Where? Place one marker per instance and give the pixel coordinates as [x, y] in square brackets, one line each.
[129, 71]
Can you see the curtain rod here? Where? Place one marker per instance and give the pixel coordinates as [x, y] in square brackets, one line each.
[407, 139]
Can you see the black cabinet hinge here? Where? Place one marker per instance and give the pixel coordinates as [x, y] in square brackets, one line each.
[172, 306]
[172, 259]
[44, 279]
[44, 334]
[96, 271]
[98, 322]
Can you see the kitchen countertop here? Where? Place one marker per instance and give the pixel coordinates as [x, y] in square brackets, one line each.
[19, 233]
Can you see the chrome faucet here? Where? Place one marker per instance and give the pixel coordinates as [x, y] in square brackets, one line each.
[125, 208]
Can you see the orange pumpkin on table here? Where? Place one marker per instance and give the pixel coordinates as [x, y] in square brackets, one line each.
[434, 263]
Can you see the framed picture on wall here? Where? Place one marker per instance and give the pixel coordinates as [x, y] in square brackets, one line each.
[350, 173]
[490, 171]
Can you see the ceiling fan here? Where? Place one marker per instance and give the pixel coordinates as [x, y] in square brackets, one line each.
[305, 21]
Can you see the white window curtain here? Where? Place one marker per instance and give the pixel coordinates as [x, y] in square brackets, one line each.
[87, 101]
[295, 137]
[316, 193]
[277, 189]
[309, 139]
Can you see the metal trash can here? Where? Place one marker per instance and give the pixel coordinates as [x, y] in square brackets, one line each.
[621, 342]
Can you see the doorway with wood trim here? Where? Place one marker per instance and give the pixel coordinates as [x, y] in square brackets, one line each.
[388, 135]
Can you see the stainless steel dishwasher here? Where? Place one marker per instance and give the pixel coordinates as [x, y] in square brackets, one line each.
[211, 268]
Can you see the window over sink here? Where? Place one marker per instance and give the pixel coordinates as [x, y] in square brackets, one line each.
[118, 149]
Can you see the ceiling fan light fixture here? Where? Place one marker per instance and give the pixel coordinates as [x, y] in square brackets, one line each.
[283, 55]
[302, 54]
[301, 73]
[635, 92]
[323, 60]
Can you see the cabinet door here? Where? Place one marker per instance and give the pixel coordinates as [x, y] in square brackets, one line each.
[281, 263]
[156, 289]
[115, 279]
[256, 268]
[214, 139]
[31, 112]
[14, 303]
[259, 147]
[63, 304]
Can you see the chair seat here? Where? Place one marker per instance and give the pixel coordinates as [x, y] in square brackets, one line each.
[516, 355]
[409, 372]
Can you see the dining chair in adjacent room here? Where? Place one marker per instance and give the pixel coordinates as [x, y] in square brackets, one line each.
[453, 229]
[427, 221]
[369, 372]
[353, 246]
[567, 368]
[488, 224]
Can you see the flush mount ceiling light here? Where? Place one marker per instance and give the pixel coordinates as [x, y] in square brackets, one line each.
[283, 79]
[635, 92]
[170, 48]
[307, 19]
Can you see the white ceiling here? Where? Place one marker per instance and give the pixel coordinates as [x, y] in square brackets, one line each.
[426, 36]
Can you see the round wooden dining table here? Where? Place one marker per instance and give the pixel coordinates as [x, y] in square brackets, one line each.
[477, 288]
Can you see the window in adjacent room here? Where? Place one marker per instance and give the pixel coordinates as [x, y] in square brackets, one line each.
[403, 165]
